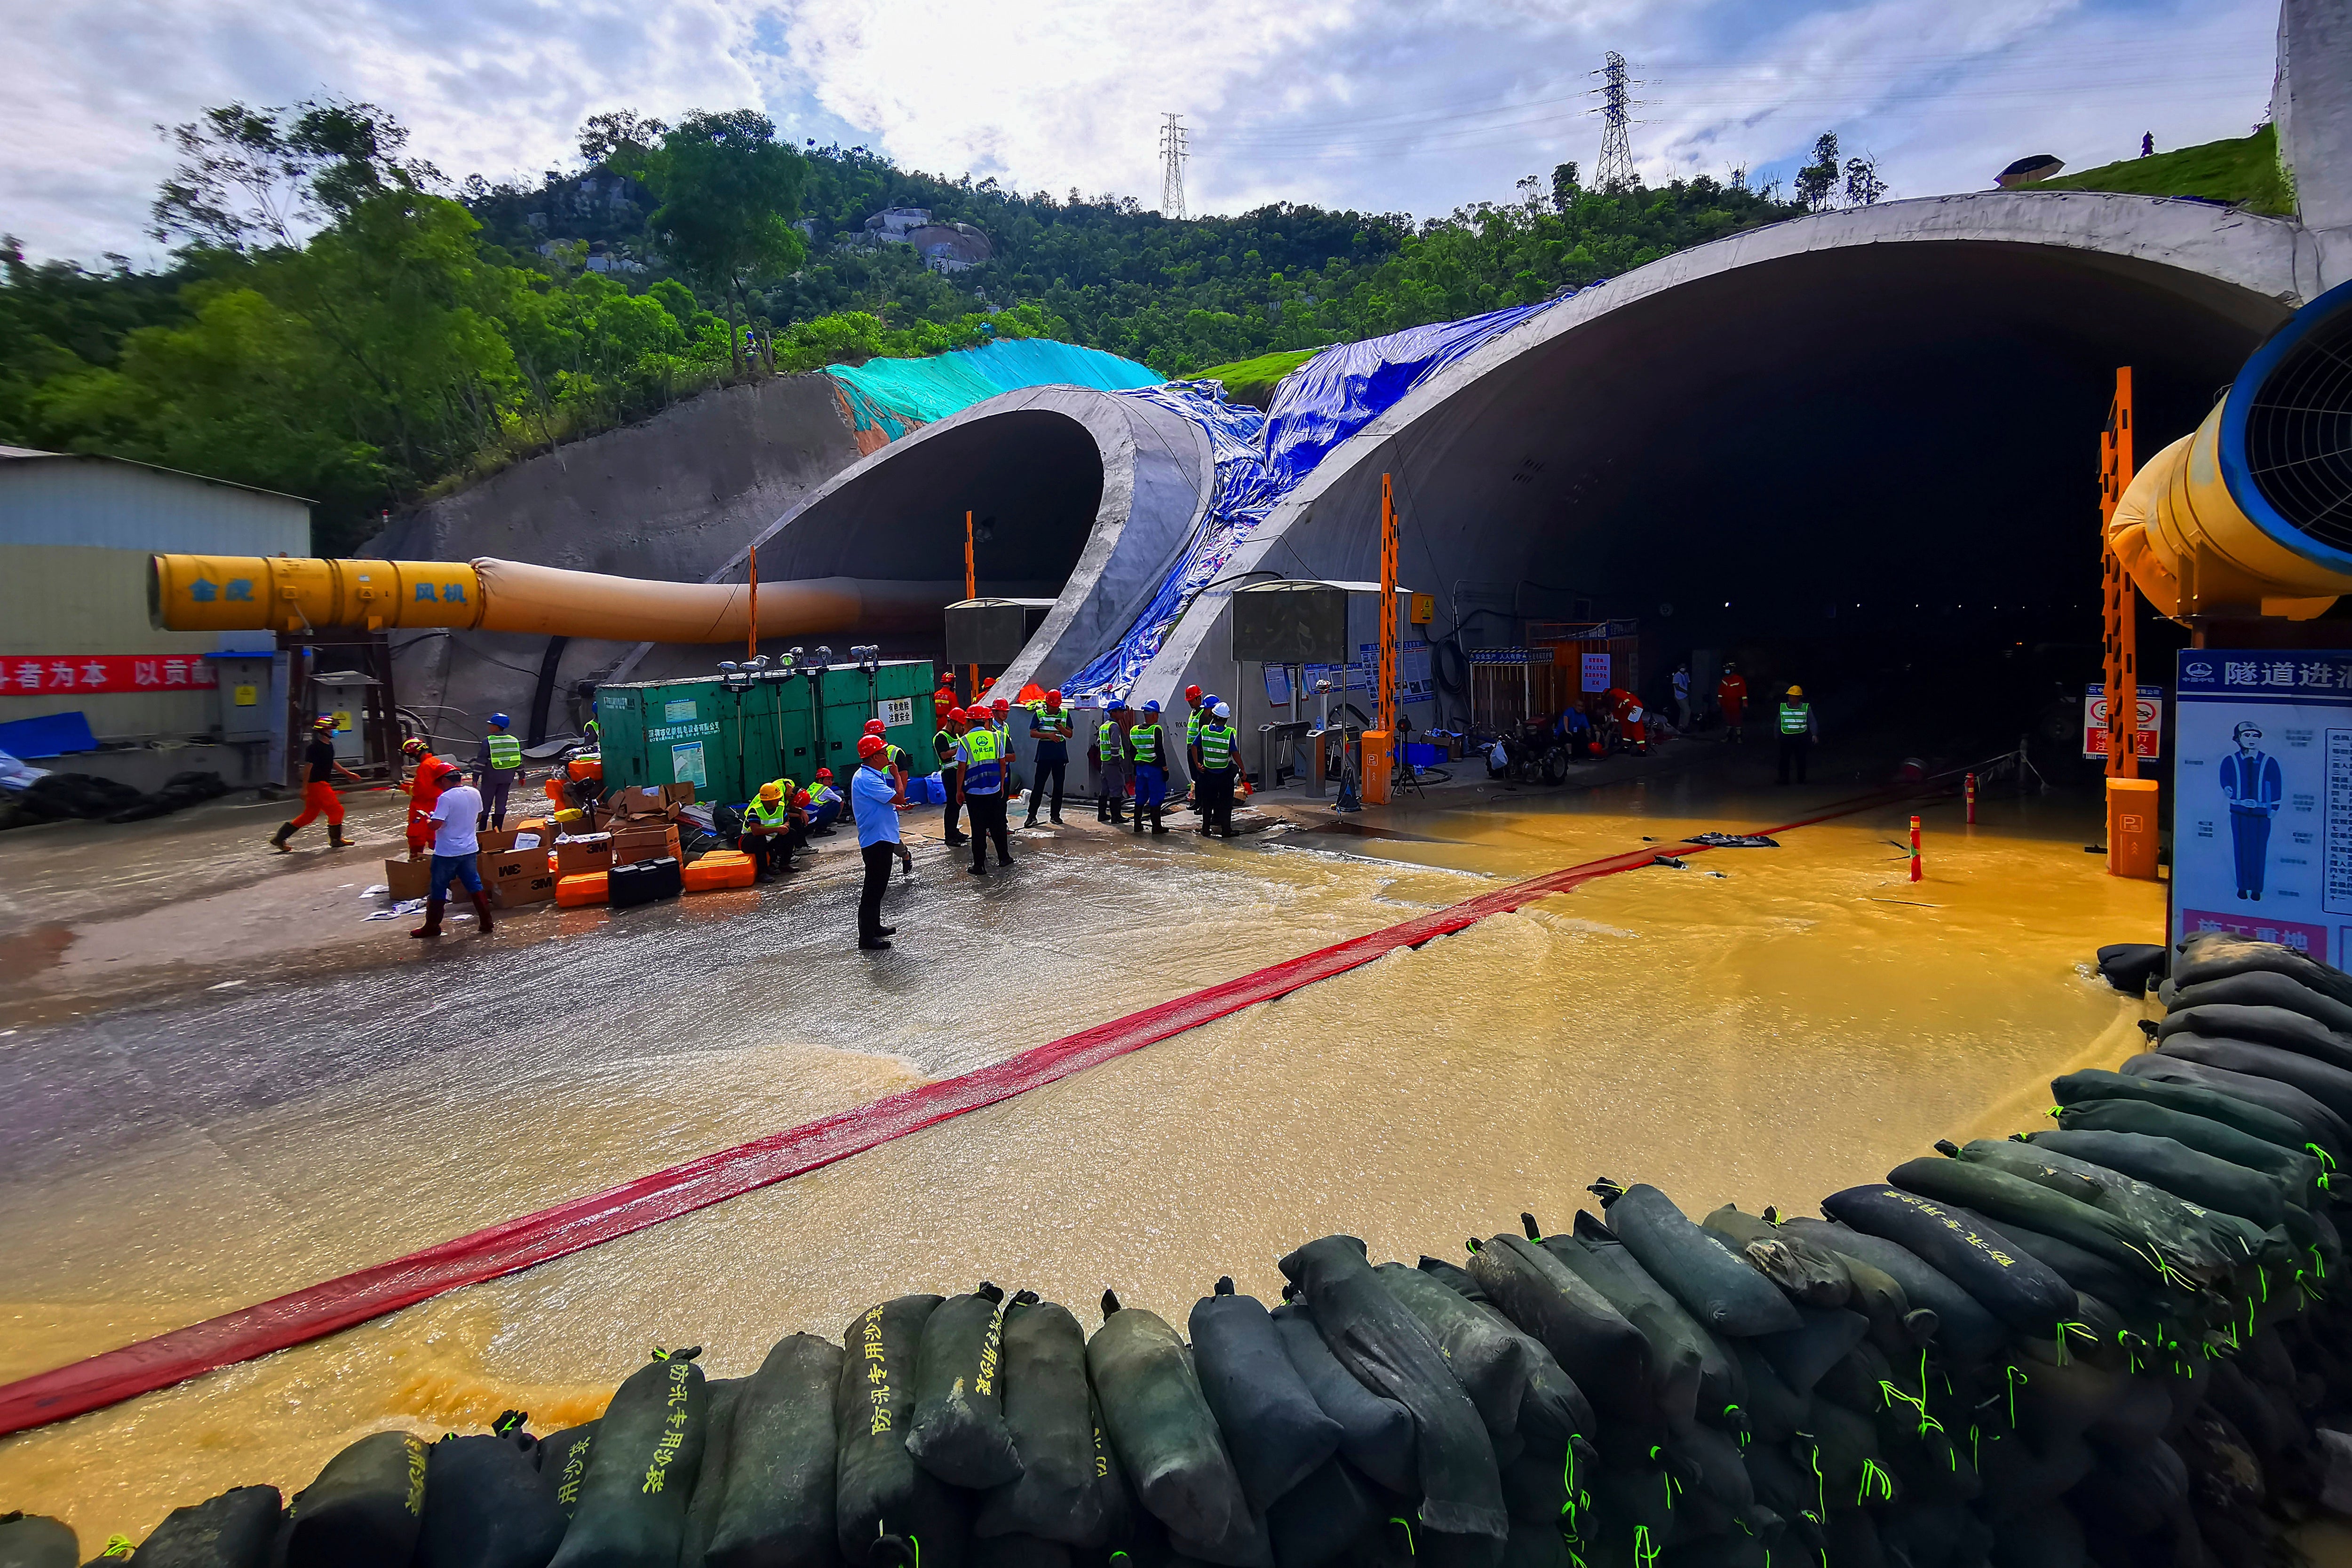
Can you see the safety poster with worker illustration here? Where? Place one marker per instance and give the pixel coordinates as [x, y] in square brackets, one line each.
[2262, 804]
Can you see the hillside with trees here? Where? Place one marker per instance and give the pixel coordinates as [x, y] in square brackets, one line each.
[342, 321]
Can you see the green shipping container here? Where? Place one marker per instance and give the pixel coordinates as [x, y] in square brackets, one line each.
[672, 732]
[899, 694]
[728, 737]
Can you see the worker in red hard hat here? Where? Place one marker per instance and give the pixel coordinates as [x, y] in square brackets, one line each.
[1049, 731]
[878, 797]
[876, 729]
[318, 797]
[456, 808]
[982, 756]
[825, 804]
[952, 724]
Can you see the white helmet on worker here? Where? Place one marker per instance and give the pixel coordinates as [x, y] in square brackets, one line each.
[1222, 710]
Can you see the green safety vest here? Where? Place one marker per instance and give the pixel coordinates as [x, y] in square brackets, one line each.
[1192, 728]
[506, 752]
[1052, 723]
[943, 745]
[1144, 739]
[1107, 737]
[592, 729]
[1216, 745]
[985, 773]
[758, 810]
[1796, 718]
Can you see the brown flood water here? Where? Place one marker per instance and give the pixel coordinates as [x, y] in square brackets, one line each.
[1762, 1026]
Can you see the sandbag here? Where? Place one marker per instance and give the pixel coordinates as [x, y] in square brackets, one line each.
[1775, 1411]
[2089, 1273]
[2318, 1128]
[2296, 1174]
[1376, 1434]
[365, 1508]
[710, 1478]
[642, 1470]
[959, 1433]
[1997, 1195]
[1689, 1372]
[2175, 1168]
[1379, 1341]
[35, 1540]
[1020, 1550]
[2330, 1086]
[237, 1529]
[1274, 1432]
[782, 1474]
[2128, 966]
[2213, 955]
[1048, 1410]
[2197, 1243]
[2279, 1028]
[1604, 1354]
[1803, 1273]
[1823, 1336]
[1965, 1332]
[487, 1506]
[886, 1506]
[1317, 1520]
[2186, 1088]
[1454, 1277]
[1167, 1440]
[1718, 1289]
[1960, 1246]
[563, 1464]
[2261, 988]
[1520, 1391]
[2044, 1536]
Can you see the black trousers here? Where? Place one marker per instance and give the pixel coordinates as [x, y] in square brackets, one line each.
[987, 823]
[1052, 769]
[1217, 790]
[951, 779]
[880, 859]
[1794, 747]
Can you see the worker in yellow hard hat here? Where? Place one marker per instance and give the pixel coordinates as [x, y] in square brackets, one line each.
[768, 829]
[1798, 732]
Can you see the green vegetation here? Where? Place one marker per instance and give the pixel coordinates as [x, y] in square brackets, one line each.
[339, 324]
[2244, 170]
[1252, 380]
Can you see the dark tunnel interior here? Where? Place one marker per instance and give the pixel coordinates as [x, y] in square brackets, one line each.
[1871, 472]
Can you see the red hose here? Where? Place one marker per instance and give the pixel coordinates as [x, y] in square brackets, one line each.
[568, 1227]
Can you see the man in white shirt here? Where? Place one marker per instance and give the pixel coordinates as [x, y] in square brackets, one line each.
[454, 845]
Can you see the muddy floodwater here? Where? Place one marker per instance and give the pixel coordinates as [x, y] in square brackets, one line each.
[1759, 1026]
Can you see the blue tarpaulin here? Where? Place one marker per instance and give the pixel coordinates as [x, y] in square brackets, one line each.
[1262, 458]
[50, 735]
[895, 396]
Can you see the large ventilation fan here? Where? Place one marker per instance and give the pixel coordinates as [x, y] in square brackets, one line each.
[2298, 443]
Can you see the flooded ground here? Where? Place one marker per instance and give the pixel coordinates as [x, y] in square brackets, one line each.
[1761, 1025]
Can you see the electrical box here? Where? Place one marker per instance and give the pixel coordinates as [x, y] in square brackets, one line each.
[1288, 622]
[986, 631]
[247, 712]
[1424, 609]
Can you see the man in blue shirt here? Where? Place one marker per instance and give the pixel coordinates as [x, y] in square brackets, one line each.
[876, 792]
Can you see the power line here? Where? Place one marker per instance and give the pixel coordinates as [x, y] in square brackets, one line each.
[1615, 171]
[1172, 153]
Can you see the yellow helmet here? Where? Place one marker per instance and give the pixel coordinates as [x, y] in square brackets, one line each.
[772, 792]
[1796, 691]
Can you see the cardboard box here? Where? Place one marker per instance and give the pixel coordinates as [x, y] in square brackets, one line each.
[513, 866]
[651, 841]
[679, 794]
[495, 840]
[636, 801]
[408, 879]
[589, 852]
[536, 886]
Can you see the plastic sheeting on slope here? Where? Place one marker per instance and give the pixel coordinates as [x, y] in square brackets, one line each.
[888, 397]
[1262, 458]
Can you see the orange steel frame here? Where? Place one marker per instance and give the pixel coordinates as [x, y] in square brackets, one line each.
[2121, 644]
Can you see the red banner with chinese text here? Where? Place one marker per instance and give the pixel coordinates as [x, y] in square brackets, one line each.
[90, 674]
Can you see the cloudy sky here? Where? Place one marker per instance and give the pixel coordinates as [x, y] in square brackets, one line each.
[1381, 104]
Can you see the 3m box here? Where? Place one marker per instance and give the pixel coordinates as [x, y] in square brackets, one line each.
[642, 800]
[495, 840]
[511, 866]
[536, 886]
[408, 879]
[653, 842]
[589, 852]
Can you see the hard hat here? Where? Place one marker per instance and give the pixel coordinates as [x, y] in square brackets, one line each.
[958, 716]
[413, 747]
[1222, 711]
[324, 721]
[871, 746]
[1796, 691]
[1000, 705]
[2246, 731]
[1052, 699]
[448, 771]
[1152, 706]
[772, 792]
[800, 797]
[1192, 694]
[1115, 703]
[825, 773]
[874, 726]
[500, 720]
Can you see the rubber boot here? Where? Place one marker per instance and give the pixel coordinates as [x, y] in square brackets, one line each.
[1138, 817]
[335, 839]
[1158, 825]
[278, 839]
[482, 913]
[431, 926]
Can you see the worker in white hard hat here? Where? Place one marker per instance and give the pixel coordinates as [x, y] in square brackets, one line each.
[1217, 767]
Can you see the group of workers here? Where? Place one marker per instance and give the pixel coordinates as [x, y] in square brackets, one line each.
[1798, 728]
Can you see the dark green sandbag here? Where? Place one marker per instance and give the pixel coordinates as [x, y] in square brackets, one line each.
[2260, 988]
[1693, 1378]
[1605, 1355]
[2211, 955]
[1846, 1452]
[1020, 1551]
[1850, 1540]
[238, 1529]
[2137, 1494]
[710, 1477]
[487, 1506]
[1379, 1341]
[1520, 1389]
[1963, 1248]
[782, 1474]
[563, 1464]
[1320, 1518]
[35, 1540]
[1965, 1333]
[1775, 1411]
[1720, 1290]
[2274, 1027]
[1047, 1409]
[2296, 1175]
[1805, 1273]
[2180, 1089]
[2088, 1272]
[1792, 1492]
[2330, 1086]
[2318, 1129]
[642, 1470]
[1717, 1488]
[2194, 1242]
[1936, 1535]
[1376, 1434]
[1633, 1516]
[959, 1433]
[1998, 1195]
[1166, 1437]
[1896, 1325]
[1274, 1432]
[1534, 1545]
[1454, 1277]
[1823, 1336]
[886, 1506]
[365, 1508]
[2175, 1168]
[2047, 1535]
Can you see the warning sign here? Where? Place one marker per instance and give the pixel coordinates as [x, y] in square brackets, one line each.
[2095, 720]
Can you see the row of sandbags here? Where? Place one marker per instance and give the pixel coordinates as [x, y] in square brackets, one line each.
[2105, 1343]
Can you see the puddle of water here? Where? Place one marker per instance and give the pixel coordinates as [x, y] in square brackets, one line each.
[1766, 1036]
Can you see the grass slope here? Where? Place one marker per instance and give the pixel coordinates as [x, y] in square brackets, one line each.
[1252, 380]
[2244, 170]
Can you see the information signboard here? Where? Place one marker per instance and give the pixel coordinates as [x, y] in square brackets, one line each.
[2094, 720]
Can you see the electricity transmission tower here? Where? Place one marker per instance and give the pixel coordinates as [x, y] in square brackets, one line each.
[1616, 168]
[1173, 155]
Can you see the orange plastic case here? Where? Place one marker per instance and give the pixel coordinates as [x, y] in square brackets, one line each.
[588, 887]
[719, 868]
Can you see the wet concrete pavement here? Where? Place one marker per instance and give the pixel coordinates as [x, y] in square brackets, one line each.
[1762, 1024]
